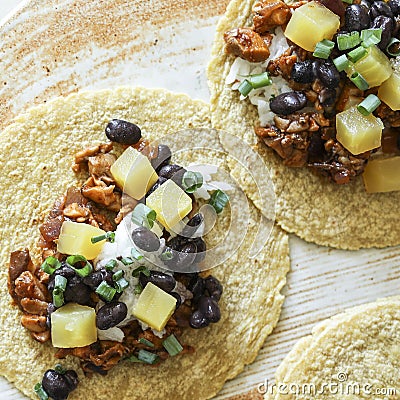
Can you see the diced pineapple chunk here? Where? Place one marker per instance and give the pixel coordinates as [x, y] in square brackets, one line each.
[311, 23]
[358, 133]
[375, 67]
[154, 307]
[134, 173]
[73, 325]
[75, 239]
[170, 203]
[389, 91]
[382, 175]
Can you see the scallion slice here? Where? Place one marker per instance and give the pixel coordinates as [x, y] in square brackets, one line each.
[50, 264]
[347, 41]
[191, 181]
[105, 291]
[147, 357]
[126, 260]
[38, 388]
[323, 49]
[146, 342]
[118, 275]
[167, 255]
[371, 36]
[369, 105]
[135, 254]
[357, 54]
[359, 81]
[60, 282]
[60, 369]
[78, 259]
[393, 48]
[109, 236]
[260, 80]
[341, 63]
[144, 216]
[133, 359]
[121, 285]
[111, 265]
[142, 269]
[138, 289]
[172, 345]
[245, 88]
[58, 297]
[219, 200]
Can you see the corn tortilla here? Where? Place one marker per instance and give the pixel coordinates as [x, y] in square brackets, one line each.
[308, 205]
[359, 347]
[36, 157]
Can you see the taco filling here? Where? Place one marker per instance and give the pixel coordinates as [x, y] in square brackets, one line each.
[122, 257]
[325, 78]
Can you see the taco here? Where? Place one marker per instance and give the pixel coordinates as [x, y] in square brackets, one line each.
[353, 355]
[318, 181]
[37, 154]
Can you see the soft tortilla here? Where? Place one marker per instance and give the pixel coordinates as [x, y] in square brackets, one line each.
[37, 152]
[360, 346]
[308, 205]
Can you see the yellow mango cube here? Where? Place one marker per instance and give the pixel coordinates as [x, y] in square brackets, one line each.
[134, 173]
[382, 175]
[358, 133]
[389, 91]
[170, 203]
[75, 239]
[311, 23]
[73, 325]
[154, 307]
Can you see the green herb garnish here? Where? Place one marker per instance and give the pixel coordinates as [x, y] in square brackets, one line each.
[219, 200]
[191, 181]
[109, 236]
[172, 345]
[144, 216]
[50, 264]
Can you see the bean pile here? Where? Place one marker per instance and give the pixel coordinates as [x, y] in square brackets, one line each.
[59, 385]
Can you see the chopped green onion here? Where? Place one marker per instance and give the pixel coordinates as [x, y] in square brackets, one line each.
[135, 254]
[77, 259]
[245, 88]
[60, 282]
[60, 369]
[121, 284]
[133, 359]
[142, 269]
[50, 265]
[359, 81]
[219, 200]
[146, 342]
[109, 236]
[260, 80]
[341, 63]
[126, 260]
[357, 54]
[138, 289]
[371, 36]
[172, 345]
[369, 105]
[147, 357]
[111, 265]
[347, 1]
[191, 181]
[166, 255]
[118, 275]
[323, 49]
[393, 48]
[38, 388]
[347, 41]
[144, 216]
[106, 291]
[58, 297]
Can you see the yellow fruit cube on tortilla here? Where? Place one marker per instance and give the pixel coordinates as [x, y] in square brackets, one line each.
[170, 203]
[389, 91]
[134, 173]
[382, 175]
[154, 307]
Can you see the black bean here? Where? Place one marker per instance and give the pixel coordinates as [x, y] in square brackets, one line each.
[197, 287]
[336, 6]
[145, 239]
[50, 309]
[302, 72]
[95, 278]
[124, 132]
[192, 226]
[198, 320]
[77, 292]
[327, 97]
[72, 378]
[209, 308]
[163, 157]
[387, 26]
[379, 8]
[201, 249]
[159, 182]
[164, 281]
[356, 18]
[185, 257]
[56, 385]
[327, 73]
[111, 314]
[177, 242]
[288, 103]
[395, 6]
[168, 171]
[214, 287]
[178, 299]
